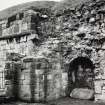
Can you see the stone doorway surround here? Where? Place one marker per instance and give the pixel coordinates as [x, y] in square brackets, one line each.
[81, 74]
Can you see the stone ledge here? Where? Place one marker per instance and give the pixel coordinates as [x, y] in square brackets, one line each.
[17, 35]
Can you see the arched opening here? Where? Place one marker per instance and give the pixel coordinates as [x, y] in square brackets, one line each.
[80, 74]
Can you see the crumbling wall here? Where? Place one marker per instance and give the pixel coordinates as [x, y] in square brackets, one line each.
[62, 37]
[82, 30]
[78, 32]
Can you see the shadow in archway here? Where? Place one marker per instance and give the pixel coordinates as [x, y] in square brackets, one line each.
[80, 74]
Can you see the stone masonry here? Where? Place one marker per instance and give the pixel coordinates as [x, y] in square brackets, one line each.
[63, 38]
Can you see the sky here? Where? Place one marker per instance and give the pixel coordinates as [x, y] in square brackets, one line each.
[8, 3]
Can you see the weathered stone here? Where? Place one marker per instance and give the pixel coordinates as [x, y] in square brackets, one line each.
[82, 93]
[61, 39]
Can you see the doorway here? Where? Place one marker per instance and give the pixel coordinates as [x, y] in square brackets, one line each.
[80, 74]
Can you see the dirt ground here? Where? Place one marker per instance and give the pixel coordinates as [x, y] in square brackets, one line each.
[69, 101]
[63, 101]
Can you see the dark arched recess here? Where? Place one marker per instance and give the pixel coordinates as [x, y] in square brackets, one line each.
[80, 74]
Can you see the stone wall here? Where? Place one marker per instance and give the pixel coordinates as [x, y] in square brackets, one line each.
[43, 81]
[19, 23]
[12, 50]
[15, 48]
[61, 38]
[82, 33]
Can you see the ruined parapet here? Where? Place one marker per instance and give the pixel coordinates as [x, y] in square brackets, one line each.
[24, 21]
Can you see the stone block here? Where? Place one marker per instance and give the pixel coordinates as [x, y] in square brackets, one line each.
[64, 79]
[24, 92]
[103, 91]
[103, 76]
[2, 92]
[23, 39]
[98, 97]
[24, 27]
[98, 86]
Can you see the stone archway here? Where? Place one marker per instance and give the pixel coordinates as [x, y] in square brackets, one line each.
[80, 74]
